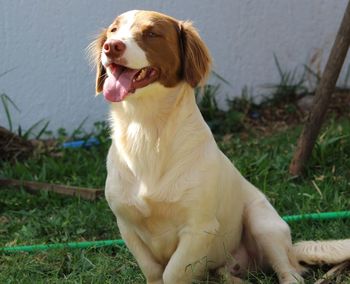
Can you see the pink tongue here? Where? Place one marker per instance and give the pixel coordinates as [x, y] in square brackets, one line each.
[116, 88]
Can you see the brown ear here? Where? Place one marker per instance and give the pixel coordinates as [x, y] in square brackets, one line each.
[197, 60]
[94, 51]
[100, 78]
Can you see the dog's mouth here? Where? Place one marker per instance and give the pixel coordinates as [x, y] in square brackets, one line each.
[124, 81]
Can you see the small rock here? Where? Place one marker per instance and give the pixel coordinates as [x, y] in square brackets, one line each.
[306, 103]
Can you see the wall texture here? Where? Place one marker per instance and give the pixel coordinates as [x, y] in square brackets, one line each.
[43, 46]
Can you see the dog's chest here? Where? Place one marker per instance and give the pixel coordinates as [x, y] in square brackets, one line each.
[137, 206]
[158, 227]
[157, 222]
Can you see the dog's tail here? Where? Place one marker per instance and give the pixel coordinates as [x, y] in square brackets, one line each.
[322, 252]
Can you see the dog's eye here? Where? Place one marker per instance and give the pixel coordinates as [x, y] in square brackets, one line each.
[151, 34]
[113, 30]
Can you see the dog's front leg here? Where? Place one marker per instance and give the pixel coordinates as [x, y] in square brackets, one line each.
[152, 270]
[272, 236]
[190, 259]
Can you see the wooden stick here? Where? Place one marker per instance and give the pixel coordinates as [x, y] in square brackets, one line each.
[336, 270]
[33, 186]
[323, 94]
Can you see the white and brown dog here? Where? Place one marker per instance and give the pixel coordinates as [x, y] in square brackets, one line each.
[181, 206]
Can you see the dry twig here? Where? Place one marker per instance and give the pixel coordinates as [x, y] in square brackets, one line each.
[328, 277]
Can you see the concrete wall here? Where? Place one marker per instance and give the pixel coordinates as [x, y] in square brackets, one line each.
[44, 41]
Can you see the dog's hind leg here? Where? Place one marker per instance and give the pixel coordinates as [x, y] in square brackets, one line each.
[268, 239]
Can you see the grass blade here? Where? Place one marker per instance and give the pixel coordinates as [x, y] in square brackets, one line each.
[42, 131]
[312, 72]
[278, 66]
[217, 75]
[7, 71]
[5, 99]
[29, 131]
[78, 130]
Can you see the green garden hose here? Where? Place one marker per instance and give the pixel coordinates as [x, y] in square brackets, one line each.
[80, 245]
[318, 216]
[96, 244]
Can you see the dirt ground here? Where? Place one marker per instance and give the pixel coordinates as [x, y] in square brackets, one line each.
[277, 117]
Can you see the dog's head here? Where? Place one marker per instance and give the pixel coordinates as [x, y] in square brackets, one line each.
[141, 48]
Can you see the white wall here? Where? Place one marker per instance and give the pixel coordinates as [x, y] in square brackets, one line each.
[45, 40]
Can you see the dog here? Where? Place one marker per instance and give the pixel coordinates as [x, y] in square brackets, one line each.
[181, 206]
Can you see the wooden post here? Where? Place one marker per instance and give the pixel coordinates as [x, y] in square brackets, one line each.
[35, 186]
[323, 94]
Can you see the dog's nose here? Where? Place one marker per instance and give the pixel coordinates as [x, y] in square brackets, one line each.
[114, 48]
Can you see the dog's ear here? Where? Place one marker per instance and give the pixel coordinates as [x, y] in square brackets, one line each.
[94, 53]
[196, 61]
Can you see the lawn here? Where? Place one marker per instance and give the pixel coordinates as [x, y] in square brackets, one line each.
[47, 218]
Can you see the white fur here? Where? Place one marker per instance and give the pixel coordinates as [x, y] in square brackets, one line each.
[134, 55]
[180, 204]
[177, 198]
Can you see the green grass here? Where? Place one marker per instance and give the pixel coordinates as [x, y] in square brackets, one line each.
[47, 217]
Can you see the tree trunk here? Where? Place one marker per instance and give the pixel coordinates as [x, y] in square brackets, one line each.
[323, 94]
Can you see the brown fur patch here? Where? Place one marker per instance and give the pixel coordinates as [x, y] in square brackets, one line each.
[197, 62]
[94, 52]
[157, 35]
[173, 47]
